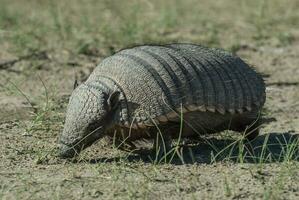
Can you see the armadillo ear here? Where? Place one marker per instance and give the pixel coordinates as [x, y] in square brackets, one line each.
[113, 100]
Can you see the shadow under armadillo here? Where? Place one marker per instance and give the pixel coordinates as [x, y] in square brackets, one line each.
[266, 148]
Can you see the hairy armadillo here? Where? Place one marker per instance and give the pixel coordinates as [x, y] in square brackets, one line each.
[145, 90]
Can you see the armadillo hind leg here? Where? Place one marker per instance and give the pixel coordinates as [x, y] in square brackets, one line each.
[252, 130]
[248, 124]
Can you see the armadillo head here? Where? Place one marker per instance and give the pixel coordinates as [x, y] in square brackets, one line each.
[89, 113]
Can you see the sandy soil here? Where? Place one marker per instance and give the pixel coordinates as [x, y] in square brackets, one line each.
[34, 93]
[30, 169]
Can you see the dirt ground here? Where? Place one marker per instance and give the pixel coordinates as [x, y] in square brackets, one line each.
[44, 46]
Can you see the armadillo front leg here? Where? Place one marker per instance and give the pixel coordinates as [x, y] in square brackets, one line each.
[125, 145]
[162, 146]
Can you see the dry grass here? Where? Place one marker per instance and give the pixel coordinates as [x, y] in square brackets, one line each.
[70, 37]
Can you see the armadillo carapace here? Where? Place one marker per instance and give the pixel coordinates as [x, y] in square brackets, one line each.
[147, 90]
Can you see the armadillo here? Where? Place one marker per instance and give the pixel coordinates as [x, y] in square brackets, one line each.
[149, 90]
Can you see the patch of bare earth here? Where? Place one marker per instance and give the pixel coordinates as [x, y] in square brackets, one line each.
[32, 106]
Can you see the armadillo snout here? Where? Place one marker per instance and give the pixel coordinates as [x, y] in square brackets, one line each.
[66, 151]
[70, 146]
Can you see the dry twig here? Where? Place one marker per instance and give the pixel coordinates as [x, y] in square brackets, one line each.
[4, 65]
